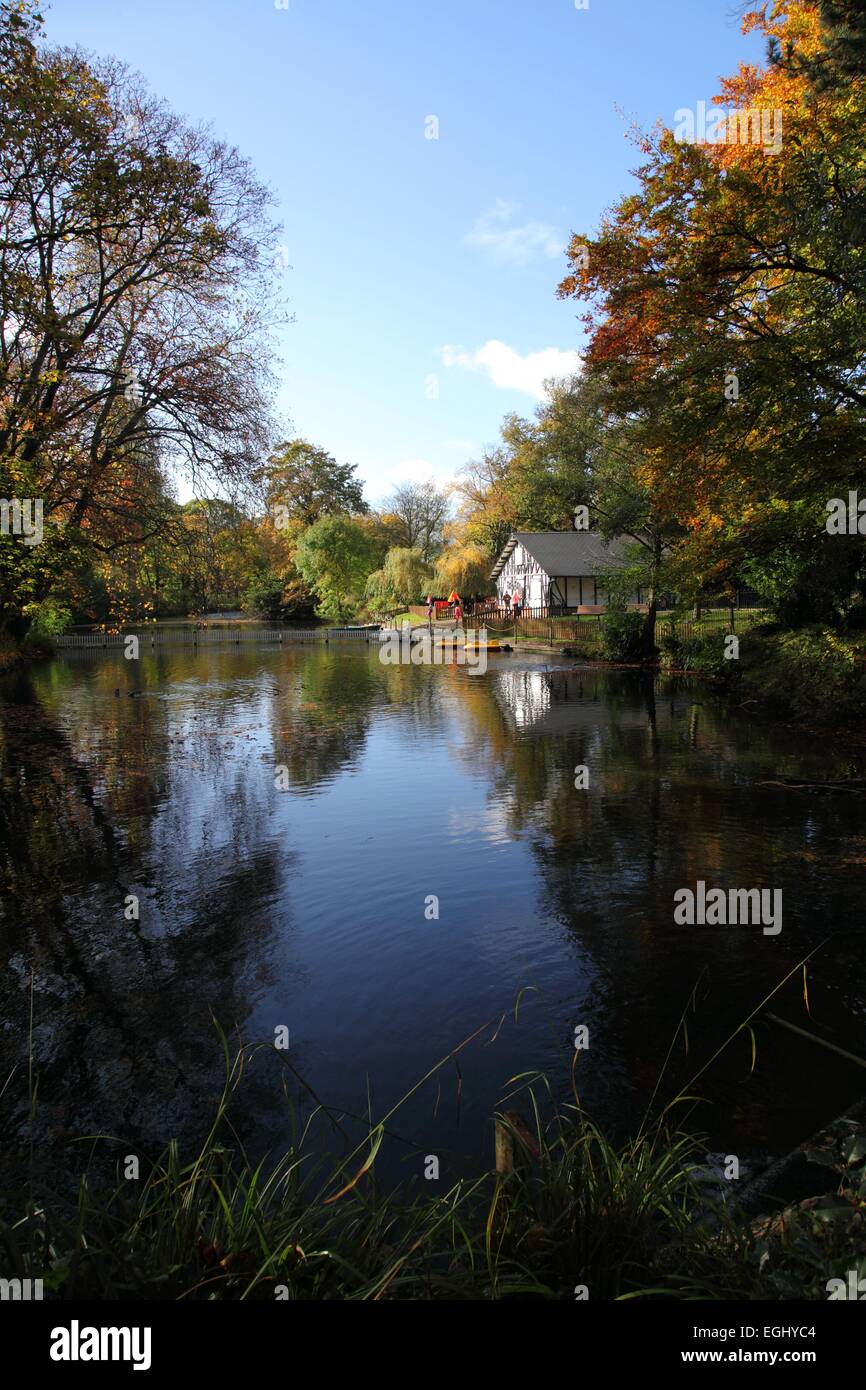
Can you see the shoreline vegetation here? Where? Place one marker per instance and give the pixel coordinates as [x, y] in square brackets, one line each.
[811, 677]
[565, 1215]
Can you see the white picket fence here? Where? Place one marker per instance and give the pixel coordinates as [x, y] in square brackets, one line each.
[210, 637]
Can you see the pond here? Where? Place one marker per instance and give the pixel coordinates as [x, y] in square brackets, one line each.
[383, 859]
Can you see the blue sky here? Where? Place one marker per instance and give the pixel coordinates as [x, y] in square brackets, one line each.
[422, 271]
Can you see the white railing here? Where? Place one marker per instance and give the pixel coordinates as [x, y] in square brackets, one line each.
[205, 637]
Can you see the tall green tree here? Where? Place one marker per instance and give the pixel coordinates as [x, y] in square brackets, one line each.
[303, 483]
[335, 556]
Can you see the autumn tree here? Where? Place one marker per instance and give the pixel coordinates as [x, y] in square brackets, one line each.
[841, 56]
[135, 298]
[485, 515]
[303, 483]
[464, 567]
[726, 303]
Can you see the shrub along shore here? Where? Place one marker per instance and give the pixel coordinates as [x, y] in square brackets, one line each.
[815, 675]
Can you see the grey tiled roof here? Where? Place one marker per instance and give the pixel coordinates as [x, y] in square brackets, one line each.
[562, 553]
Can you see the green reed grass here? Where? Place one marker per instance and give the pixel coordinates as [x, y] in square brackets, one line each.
[574, 1209]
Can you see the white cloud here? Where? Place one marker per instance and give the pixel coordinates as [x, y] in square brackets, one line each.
[417, 470]
[412, 470]
[514, 245]
[508, 370]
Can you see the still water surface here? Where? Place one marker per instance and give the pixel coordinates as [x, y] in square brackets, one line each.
[306, 907]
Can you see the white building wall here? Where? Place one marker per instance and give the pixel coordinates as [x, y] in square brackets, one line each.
[523, 575]
[572, 596]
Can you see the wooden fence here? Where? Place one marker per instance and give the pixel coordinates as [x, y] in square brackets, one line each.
[722, 619]
[582, 633]
[586, 632]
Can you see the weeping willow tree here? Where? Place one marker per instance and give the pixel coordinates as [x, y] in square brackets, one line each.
[404, 578]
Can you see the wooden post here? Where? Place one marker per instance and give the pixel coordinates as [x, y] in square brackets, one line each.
[509, 1126]
[504, 1148]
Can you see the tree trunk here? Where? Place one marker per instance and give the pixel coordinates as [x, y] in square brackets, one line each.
[649, 650]
[649, 630]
